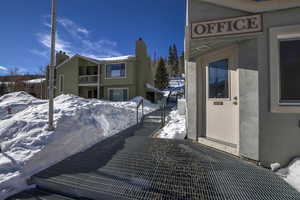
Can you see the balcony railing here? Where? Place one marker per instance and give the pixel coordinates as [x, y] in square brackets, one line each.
[88, 79]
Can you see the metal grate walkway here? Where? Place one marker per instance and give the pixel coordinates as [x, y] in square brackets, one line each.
[132, 165]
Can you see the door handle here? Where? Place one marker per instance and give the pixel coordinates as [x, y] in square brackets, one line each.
[235, 102]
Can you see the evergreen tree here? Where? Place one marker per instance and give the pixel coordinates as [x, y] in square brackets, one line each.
[161, 76]
[3, 89]
[175, 67]
[171, 57]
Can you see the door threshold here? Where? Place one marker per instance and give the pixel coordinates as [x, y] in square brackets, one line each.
[222, 146]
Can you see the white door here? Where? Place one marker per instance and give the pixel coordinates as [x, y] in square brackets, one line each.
[222, 109]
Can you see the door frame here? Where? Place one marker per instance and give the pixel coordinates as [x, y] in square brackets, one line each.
[230, 53]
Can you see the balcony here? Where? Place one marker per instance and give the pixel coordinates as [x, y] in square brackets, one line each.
[88, 79]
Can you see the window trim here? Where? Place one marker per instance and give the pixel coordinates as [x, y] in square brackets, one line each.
[61, 89]
[105, 69]
[277, 34]
[109, 89]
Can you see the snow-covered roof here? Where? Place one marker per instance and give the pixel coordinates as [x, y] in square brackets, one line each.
[37, 80]
[154, 89]
[99, 60]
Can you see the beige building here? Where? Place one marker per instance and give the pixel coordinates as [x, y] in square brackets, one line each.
[115, 79]
[242, 72]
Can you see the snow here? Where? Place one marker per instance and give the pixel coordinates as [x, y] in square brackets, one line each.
[176, 82]
[154, 89]
[28, 147]
[17, 101]
[275, 166]
[116, 58]
[175, 127]
[38, 80]
[291, 174]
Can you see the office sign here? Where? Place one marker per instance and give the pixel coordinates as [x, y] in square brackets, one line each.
[230, 26]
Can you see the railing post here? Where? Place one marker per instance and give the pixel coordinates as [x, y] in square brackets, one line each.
[137, 115]
[142, 109]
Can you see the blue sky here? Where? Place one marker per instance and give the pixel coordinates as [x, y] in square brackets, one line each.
[98, 28]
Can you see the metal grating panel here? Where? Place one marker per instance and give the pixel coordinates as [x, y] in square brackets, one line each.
[135, 166]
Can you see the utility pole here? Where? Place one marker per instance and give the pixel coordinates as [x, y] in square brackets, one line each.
[52, 66]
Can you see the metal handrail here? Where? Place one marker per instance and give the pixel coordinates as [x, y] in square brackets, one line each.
[163, 115]
[141, 103]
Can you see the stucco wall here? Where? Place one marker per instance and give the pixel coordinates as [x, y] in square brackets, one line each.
[279, 132]
[248, 99]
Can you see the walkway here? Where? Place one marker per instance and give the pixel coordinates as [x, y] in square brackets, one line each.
[132, 165]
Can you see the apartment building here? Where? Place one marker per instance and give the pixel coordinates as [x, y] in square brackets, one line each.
[115, 79]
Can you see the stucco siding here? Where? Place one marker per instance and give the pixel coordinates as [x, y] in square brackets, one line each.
[248, 92]
[279, 132]
[70, 72]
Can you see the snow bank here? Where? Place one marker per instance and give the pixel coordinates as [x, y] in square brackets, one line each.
[291, 174]
[175, 128]
[29, 147]
[17, 101]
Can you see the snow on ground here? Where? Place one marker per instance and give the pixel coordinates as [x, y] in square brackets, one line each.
[27, 145]
[175, 127]
[17, 101]
[291, 174]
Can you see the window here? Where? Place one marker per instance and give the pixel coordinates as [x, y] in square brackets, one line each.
[289, 70]
[218, 79]
[118, 94]
[115, 70]
[285, 69]
[61, 83]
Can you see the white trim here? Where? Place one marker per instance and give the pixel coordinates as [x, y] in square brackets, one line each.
[109, 89]
[105, 66]
[61, 89]
[275, 35]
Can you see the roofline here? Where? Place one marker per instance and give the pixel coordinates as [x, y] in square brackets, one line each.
[91, 60]
[256, 7]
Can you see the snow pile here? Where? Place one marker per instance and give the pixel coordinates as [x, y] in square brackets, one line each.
[29, 147]
[291, 174]
[175, 128]
[17, 101]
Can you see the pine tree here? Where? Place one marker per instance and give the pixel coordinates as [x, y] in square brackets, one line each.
[3, 89]
[175, 67]
[161, 76]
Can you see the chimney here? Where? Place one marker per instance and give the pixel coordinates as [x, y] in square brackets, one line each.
[141, 48]
[61, 57]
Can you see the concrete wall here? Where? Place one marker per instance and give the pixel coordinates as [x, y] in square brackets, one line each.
[279, 132]
[191, 99]
[248, 89]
